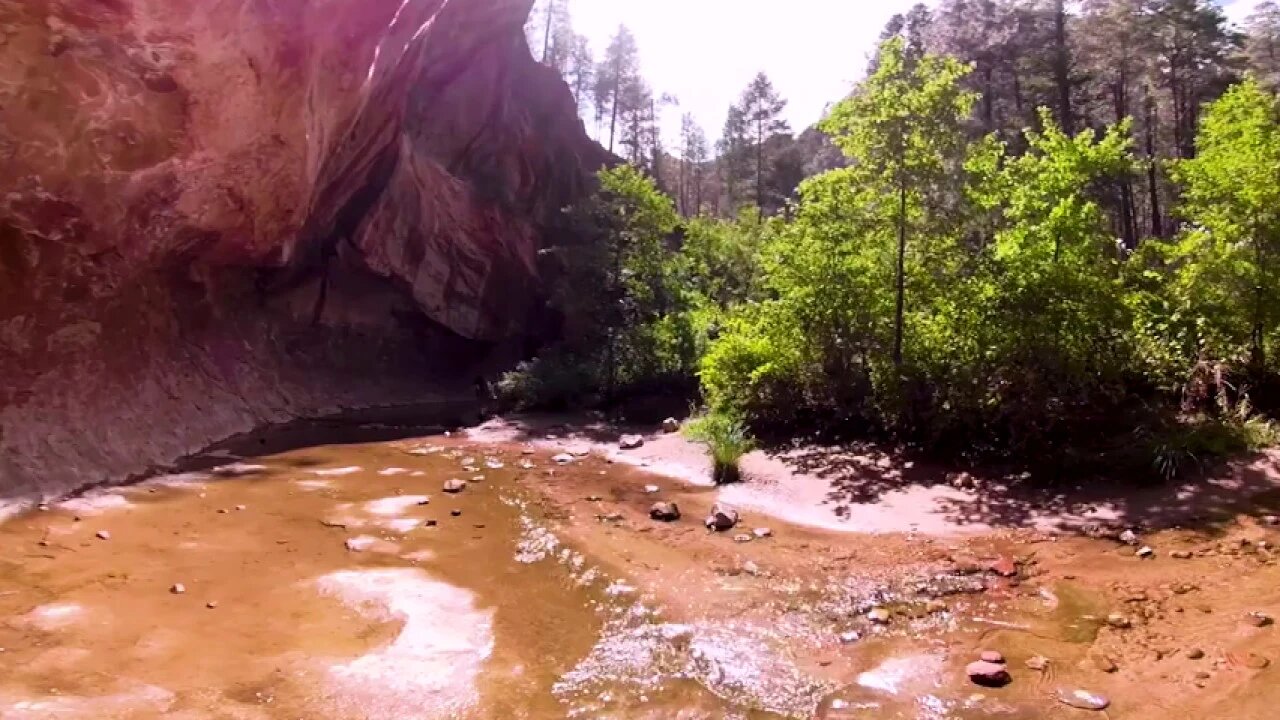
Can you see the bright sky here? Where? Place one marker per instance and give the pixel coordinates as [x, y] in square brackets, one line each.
[706, 51]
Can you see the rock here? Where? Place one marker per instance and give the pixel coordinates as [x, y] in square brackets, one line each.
[212, 604]
[652, 489]
[850, 637]
[1146, 552]
[455, 512]
[562, 458]
[1272, 520]
[580, 451]
[102, 535]
[1039, 663]
[241, 508]
[1121, 622]
[1180, 554]
[1195, 654]
[750, 568]
[743, 538]
[612, 517]
[594, 498]
[1082, 700]
[1129, 537]
[1203, 675]
[992, 656]
[1004, 567]
[1259, 619]
[1103, 663]
[670, 425]
[762, 533]
[424, 501]
[455, 486]
[177, 588]
[665, 512]
[1254, 661]
[879, 616]
[936, 606]
[630, 442]
[988, 674]
[722, 518]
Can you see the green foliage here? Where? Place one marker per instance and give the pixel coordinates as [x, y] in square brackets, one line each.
[728, 440]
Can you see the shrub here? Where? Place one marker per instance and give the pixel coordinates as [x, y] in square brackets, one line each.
[728, 440]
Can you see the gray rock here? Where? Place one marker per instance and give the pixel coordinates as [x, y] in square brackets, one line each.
[988, 674]
[455, 486]
[630, 442]
[665, 512]
[177, 588]
[722, 518]
[670, 425]
[1082, 700]
[992, 656]
[1129, 537]
[562, 459]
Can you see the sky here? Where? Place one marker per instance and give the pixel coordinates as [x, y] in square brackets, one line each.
[706, 51]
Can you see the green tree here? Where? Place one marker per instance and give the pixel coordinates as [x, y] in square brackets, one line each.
[1262, 44]
[761, 108]
[617, 81]
[903, 130]
[1229, 261]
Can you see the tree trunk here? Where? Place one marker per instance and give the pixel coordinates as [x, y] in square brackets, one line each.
[1153, 180]
[613, 120]
[1062, 68]
[546, 37]
[900, 311]
[760, 168]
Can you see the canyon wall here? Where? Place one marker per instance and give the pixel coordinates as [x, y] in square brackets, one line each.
[217, 214]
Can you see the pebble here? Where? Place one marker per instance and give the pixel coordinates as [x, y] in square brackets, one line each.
[1254, 661]
[988, 674]
[211, 604]
[455, 512]
[992, 656]
[850, 637]
[1258, 619]
[1146, 552]
[1039, 663]
[1116, 620]
[1104, 663]
[762, 533]
[665, 512]
[1195, 654]
[743, 538]
[1180, 554]
[430, 523]
[1129, 537]
[1083, 700]
[178, 588]
[879, 616]
[102, 535]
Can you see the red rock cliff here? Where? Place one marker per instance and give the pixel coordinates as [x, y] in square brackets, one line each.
[216, 214]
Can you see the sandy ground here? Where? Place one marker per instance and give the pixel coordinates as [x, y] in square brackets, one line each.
[865, 490]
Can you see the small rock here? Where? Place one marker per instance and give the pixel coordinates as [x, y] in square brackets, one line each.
[1180, 554]
[1146, 552]
[612, 517]
[992, 656]
[222, 511]
[1039, 663]
[762, 533]
[212, 604]
[665, 512]
[1203, 675]
[670, 425]
[935, 606]
[750, 568]
[1271, 519]
[1254, 661]
[102, 535]
[1104, 663]
[630, 442]
[850, 637]
[743, 538]
[839, 704]
[455, 512]
[1116, 620]
[722, 518]
[1083, 700]
[1259, 619]
[1004, 567]
[1128, 537]
[594, 498]
[455, 486]
[879, 616]
[430, 523]
[177, 588]
[242, 508]
[424, 501]
[988, 674]
[1195, 654]
[652, 489]
[562, 459]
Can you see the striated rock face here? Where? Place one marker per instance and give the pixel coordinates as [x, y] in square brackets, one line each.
[216, 214]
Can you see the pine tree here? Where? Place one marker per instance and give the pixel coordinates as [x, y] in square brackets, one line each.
[618, 84]
[734, 161]
[693, 158]
[761, 109]
[1262, 44]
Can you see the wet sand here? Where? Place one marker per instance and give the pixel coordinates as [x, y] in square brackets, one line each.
[317, 583]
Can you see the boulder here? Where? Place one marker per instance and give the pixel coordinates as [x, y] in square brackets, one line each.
[665, 512]
[721, 518]
[988, 674]
[670, 425]
[630, 442]
[454, 486]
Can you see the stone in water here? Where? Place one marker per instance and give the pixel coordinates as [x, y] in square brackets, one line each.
[1083, 700]
[722, 518]
[630, 442]
[665, 512]
[988, 674]
[455, 486]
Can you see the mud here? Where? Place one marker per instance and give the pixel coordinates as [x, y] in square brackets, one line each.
[341, 581]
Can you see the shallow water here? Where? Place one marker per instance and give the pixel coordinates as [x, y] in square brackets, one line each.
[337, 581]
